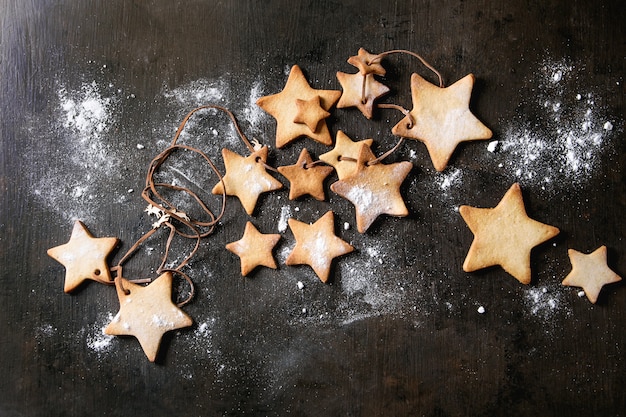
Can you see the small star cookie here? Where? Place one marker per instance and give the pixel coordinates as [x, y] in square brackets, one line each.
[504, 236]
[246, 177]
[317, 245]
[590, 272]
[300, 110]
[84, 257]
[360, 91]
[367, 63]
[306, 179]
[147, 312]
[254, 249]
[374, 189]
[441, 118]
[344, 148]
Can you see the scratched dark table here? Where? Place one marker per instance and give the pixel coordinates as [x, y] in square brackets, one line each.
[91, 91]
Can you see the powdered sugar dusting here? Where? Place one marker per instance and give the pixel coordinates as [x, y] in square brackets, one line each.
[97, 340]
[567, 143]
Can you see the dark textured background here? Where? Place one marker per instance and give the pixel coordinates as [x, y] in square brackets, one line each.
[401, 337]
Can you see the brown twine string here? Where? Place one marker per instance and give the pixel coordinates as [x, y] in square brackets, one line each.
[152, 195]
[380, 56]
[404, 111]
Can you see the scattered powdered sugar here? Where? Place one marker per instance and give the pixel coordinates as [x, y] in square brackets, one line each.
[84, 151]
[566, 141]
[285, 214]
[96, 339]
[545, 302]
[451, 177]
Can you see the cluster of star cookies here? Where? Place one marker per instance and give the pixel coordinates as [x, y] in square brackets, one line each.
[441, 119]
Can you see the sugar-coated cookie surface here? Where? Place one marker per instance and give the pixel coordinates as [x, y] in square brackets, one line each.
[374, 189]
[84, 257]
[441, 118]
[317, 245]
[246, 178]
[254, 249]
[147, 312]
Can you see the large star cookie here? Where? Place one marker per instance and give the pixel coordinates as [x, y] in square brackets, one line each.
[374, 189]
[441, 118]
[590, 272]
[84, 257]
[317, 245]
[360, 91]
[254, 249]
[504, 236]
[344, 148]
[300, 110]
[147, 312]
[306, 178]
[246, 178]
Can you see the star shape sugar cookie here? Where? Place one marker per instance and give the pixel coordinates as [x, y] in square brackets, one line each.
[366, 63]
[290, 120]
[441, 118]
[590, 272]
[254, 249]
[504, 236]
[360, 91]
[310, 113]
[305, 178]
[147, 312]
[374, 189]
[246, 177]
[344, 148]
[84, 257]
[317, 245]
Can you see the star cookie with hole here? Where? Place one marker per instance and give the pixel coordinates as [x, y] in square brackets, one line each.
[504, 236]
[367, 63]
[590, 272]
[317, 245]
[84, 257]
[344, 154]
[374, 189]
[360, 91]
[300, 110]
[147, 312]
[441, 118]
[246, 177]
[305, 178]
[254, 249]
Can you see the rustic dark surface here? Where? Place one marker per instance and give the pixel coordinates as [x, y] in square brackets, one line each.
[397, 337]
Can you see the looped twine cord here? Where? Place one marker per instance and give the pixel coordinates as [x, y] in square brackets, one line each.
[380, 56]
[377, 59]
[196, 229]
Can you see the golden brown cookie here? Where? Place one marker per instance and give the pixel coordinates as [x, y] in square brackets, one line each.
[374, 189]
[360, 91]
[84, 257]
[367, 63]
[504, 236]
[441, 118]
[317, 245]
[298, 108]
[305, 178]
[147, 312]
[246, 177]
[344, 148]
[590, 272]
[254, 249]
